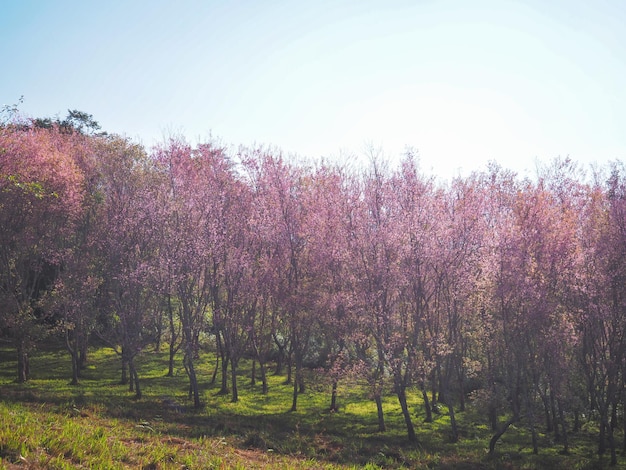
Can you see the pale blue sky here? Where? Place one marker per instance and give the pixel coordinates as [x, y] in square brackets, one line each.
[463, 82]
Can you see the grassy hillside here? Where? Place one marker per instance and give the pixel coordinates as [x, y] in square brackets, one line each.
[48, 423]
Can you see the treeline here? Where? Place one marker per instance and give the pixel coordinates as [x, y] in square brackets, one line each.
[506, 293]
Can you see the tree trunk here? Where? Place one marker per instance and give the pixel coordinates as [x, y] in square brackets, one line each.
[225, 360]
[224, 389]
[546, 410]
[294, 401]
[134, 378]
[124, 378]
[381, 416]
[193, 379]
[173, 337]
[22, 361]
[454, 437]
[563, 428]
[83, 349]
[333, 397]
[280, 357]
[401, 393]
[554, 413]
[461, 378]
[170, 368]
[289, 368]
[624, 441]
[301, 384]
[498, 435]
[215, 369]
[253, 373]
[429, 411]
[606, 434]
[602, 438]
[75, 367]
[73, 350]
[233, 374]
[263, 369]
[440, 384]
[493, 415]
[296, 382]
[533, 427]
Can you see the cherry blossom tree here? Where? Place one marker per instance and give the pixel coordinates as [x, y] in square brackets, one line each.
[386, 334]
[333, 303]
[283, 186]
[42, 190]
[129, 246]
[198, 185]
[602, 322]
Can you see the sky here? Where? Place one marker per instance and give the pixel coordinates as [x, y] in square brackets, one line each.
[460, 82]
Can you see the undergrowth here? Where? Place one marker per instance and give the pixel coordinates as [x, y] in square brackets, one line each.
[48, 423]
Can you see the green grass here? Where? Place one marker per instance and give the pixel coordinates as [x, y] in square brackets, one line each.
[48, 423]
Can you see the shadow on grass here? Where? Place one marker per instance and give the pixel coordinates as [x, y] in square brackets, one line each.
[263, 422]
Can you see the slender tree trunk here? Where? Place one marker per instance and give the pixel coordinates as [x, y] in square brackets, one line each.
[225, 359]
[577, 423]
[75, 367]
[131, 379]
[429, 411]
[496, 437]
[462, 398]
[379, 410]
[563, 428]
[493, 415]
[224, 388]
[263, 369]
[22, 361]
[333, 397]
[280, 357]
[294, 401]
[455, 429]
[401, 393]
[433, 388]
[233, 374]
[553, 414]
[159, 331]
[83, 350]
[124, 377]
[611, 439]
[253, 373]
[289, 368]
[602, 438]
[440, 384]
[461, 378]
[546, 410]
[533, 434]
[215, 369]
[531, 419]
[624, 432]
[606, 433]
[614, 415]
[170, 362]
[301, 383]
[193, 379]
[296, 382]
[73, 350]
[262, 366]
[454, 435]
[173, 337]
[134, 378]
